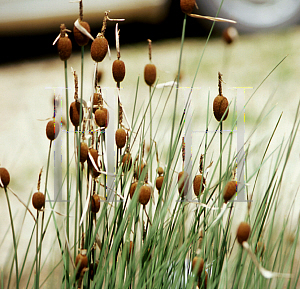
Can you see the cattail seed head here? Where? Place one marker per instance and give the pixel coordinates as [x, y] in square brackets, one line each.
[183, 183]
[118, 70]
[83, 152]
[5, 177]
[132, 189]
[159, 182]
[93, 269]
[145, 194]
[200, 281]
[52, 130]
[64, 47]
[99, 48]
[127, 162]
[219, 107]
[81, 262]
[102, 117]
[96, 100]
[94, 154]
[200, 261]
[38, 200]
[243, 232]
[79, 37]
[230, 34]
[121, 137]
[75, 113]
[139, 170]
[187, 6]
[150, 74]
[95, 203]
[197, 183]
[160, 171]
[229, 191]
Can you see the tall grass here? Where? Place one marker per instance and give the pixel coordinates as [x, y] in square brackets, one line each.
[130, 245]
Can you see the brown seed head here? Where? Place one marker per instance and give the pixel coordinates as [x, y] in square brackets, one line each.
[145, 194]
[5, 177]
[96, 99]
[150, 74]
[75, 113]
[99, 48]
[121, 137]
[118, 70]
[219, 107]
[52, 130]
[139, 170]
[230, 34]
[205, 281]
[243, 232]
[94, 154]
[200, 261]
[159, 182]
[81, 262]
[197, 183]
[79, 37]
[93, 269]
[187, 6]
[183, 183]
[83, 152]
[127, 162]
[132, 189]
[95, 203]
[64, 48]
[102, 117]
[38, 200]
[229, 191]
[160, 171]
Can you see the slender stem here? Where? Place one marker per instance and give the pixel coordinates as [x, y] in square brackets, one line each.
[68, 177]
[14, 238]
[37, 251]
[221, 148]
[150, 151]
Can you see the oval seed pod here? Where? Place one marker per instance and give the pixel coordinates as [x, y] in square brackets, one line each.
[132, 189]
[121, 137]
[144, 194]
[219, 107]
[93, 269]
[229, 191]
[127, 162]
[139, 170]
[230, 34]
[75, 113]
[95, 101]
[81, 262]
[38, 200]
[79, 37]
[83, 152]
[150, 74]
[95, 203]
[5, 177]
[183, 183]
[201, 265]
[64, 47]
[187, 6]
[118, 70]
[99, 48]
[159, 182]
[52, 130]
[94, 154]
[197, 183]
[243, 232]
[205, 281]
[102, 117]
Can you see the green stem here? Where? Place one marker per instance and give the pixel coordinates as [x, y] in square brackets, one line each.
[221, 148]
[150, 151]
[68, 177]
[37, 251]
[14, 238]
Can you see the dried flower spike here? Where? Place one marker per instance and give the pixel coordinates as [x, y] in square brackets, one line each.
[150, 68]
[52, 130]
[81, 261]
[4, 177]
[183, 183]
[38, 200]
[132, 189]
[159, 179]
[102, 117]
[197, 183]
[187, 6]
[118, 67]
[99, 48]
[230, 34]
[196, 261]
[229, 191]
[95, 203]
[64, 44]
[220, 104]
[83, 152]
[121, 138]
[145, 194]
[127, 162]
[75, 113]
[243, 232]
